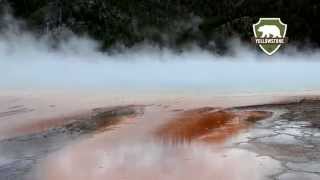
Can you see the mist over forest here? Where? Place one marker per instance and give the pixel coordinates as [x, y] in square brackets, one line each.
[155, 44]
[166, 23]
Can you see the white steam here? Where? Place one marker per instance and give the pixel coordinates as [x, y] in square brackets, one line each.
[27, 62]
[144, 161]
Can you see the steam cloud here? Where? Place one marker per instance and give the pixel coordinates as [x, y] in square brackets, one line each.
[29, 62]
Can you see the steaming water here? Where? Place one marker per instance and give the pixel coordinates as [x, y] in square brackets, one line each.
[28, 63]
[129, 152]
[153, 161]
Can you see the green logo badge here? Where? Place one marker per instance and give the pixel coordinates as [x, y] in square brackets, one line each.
[270, 34]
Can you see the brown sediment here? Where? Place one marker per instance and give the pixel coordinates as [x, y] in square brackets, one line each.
[104, 118]
[98, 119]
[208, 124]
[127, 153]
[43, 125]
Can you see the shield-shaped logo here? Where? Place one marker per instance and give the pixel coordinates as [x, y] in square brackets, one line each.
[270, 34]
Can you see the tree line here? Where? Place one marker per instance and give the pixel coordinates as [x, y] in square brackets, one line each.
[172, 23]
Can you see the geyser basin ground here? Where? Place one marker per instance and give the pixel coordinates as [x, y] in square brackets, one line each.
[52, 135]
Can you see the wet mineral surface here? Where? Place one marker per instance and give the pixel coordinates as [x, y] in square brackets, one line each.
[291, 136]
[282, 146]
[20, 155]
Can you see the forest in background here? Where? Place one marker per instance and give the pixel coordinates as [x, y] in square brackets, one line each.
[167, 23]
